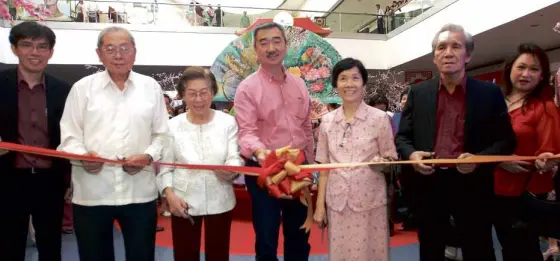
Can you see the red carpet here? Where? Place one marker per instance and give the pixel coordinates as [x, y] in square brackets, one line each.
[242, 241]
[243, 238]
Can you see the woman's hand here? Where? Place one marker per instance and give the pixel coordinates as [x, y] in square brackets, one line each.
[320, 216]
[546, 165]
[516, 166]
[177, 206]
[379, 167]
[226, 175]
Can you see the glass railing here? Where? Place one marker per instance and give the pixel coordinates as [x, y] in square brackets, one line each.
[396, 15]
[171, 12]
[176, 14]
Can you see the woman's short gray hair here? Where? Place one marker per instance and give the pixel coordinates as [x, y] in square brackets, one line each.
[114, 29]
[469, 42]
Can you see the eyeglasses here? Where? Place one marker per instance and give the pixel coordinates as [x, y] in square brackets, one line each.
[27, 47]
[113, 50]
[346, 134]
[203, 95]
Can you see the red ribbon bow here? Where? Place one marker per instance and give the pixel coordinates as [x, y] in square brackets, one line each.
[283, 178]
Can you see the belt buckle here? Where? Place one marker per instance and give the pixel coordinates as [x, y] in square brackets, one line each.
[33, 170]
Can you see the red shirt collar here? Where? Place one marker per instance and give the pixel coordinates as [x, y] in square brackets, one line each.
[22, 80]
[460, 87]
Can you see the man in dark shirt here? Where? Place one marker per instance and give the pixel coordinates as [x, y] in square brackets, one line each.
[31, 104]
[454, 116]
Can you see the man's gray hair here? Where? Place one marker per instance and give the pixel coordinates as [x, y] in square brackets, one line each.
[114, 29]
[469, 42]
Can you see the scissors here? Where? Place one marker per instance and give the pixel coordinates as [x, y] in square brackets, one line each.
[323, 227]
[189, 217]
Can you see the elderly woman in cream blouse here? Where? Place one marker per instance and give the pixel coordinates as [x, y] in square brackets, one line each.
[200, 136]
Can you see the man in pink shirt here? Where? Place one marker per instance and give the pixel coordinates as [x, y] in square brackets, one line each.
[272, 109]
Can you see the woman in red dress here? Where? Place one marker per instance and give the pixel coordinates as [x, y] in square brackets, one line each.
[536, 122]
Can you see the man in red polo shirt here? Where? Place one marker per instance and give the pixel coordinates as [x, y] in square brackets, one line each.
[454, 116]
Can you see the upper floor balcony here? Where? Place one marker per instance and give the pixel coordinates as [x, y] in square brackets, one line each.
[174, 33]
[181, 14]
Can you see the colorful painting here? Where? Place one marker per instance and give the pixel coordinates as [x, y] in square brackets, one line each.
[309, 56]
[58, 10]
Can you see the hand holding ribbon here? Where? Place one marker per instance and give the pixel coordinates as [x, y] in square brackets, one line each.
[90, 166]
[466, 168]
[544, 164]
[261, 155]
[379, 167]
[136, 163]
[420, 167]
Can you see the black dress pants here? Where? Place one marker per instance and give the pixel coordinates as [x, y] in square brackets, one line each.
[518, 242]
[29, 193]
[465, 197]
[93, 226]
[268, 212]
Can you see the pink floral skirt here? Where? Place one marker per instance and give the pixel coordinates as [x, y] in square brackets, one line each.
[358, 236]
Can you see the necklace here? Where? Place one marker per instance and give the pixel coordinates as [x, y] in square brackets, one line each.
[513, 105]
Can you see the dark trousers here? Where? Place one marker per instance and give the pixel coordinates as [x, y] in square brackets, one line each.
[39, 195]
[518, 243]
[186, 237]
[267, 213]
[93, 226]
[380, 29]
[465, 197]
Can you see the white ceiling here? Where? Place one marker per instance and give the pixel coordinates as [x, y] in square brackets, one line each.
[495, 45]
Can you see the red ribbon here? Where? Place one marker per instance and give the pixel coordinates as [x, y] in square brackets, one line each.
[253, 171]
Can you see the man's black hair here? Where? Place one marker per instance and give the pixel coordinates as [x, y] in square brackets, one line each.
[267, 26]
[32, 30]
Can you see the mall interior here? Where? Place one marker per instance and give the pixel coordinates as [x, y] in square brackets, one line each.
[394, 45]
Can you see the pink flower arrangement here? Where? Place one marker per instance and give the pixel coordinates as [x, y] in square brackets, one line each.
[312, 75]
[315, 69]
[324, 72]
[29, 7]
[317, 87]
